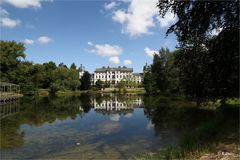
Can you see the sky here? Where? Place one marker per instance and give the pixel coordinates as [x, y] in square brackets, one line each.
[94, 33]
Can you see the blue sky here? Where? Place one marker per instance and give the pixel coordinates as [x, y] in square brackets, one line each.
[92, 33]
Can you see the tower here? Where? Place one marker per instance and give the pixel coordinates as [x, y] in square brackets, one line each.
[81, 71]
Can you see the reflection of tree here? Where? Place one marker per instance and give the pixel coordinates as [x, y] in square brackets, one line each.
[168, 114]
[204, 125]
[35, 112]
[85, 102]
[10, 137]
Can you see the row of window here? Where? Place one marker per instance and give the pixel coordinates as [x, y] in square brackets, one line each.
[108, 76]
[110, 105]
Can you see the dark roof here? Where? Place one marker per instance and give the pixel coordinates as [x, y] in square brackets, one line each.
[122, 69]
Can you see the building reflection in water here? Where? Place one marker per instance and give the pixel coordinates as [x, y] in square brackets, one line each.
[9, 109]
[115, 106]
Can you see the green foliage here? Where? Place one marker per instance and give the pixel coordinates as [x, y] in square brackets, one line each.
[162, 75]
[149, 82]
[11, 54]
[198, 19]
[99, 84]
[130, 82]
[121, 85]
[32, 77]
[208, 64]
[158, 69]
[107, 84]
[73, 66]
[85, 81]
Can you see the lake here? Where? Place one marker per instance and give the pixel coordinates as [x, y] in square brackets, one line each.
[100, 126]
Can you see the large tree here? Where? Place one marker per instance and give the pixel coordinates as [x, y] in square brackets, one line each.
[208, 35]
[85, 81]
[11, 54]
[158, 69]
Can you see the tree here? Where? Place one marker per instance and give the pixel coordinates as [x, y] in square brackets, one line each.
[11, 54]
[62, 65]
[49, 68]
[73, 66]
[149, 82]
[158, 69]
[162, 75]
[38, 75]
[73, 80]
[85, 81]
[99, 84]
[208, 63]
[197, 20]
[172, 73]
[34, 76]
[121, 85]
[107, 84]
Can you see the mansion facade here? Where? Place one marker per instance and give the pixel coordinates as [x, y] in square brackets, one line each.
[114, 75]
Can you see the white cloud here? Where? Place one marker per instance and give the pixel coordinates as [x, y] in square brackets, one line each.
[140, 17]
[150, 52]
[3, 12]
[114, 60]
[120, 16]
[128, 115]
[28, 41]
[89, 43]
[149, 126]
[115, 117]
[8, 22]
[108, 50]
[24, 3]
[168, 19]
[44, 40]
[110, 5]
[127, 62]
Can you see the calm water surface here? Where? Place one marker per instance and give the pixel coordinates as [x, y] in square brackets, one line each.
[89, 127]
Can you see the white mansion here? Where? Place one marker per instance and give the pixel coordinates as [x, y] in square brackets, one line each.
[114, 75]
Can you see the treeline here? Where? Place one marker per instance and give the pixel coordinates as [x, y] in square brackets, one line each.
[30, 76]
[193, 73]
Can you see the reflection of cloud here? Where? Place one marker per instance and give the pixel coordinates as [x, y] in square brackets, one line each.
[108, 127]
[128, 115]
[149, 126]
[114, 117]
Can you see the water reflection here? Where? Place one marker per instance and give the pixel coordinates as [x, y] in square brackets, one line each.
[98, 126]
[57, 124]
[9, 109]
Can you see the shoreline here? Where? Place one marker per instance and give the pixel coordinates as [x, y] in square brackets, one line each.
[46, 92]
